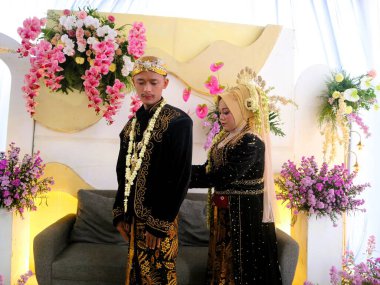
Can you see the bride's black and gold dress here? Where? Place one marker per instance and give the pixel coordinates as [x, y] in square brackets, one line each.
[242, 249]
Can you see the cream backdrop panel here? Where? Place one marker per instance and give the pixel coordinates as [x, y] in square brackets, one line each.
[92, 152]
[187, 46]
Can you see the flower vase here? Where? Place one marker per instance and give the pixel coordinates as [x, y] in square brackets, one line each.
[320, 244]
[6, 219]
[14, 245]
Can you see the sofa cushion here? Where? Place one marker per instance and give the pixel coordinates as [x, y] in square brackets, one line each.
[192, 264]
[94, 220]
[192, 227]
[91, 262]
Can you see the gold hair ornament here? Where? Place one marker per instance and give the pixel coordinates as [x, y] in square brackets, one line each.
[149, 64]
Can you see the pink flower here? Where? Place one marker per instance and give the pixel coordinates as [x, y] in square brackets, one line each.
[82, 15]
[31, 29]
[372, 73]
[135, 105]
[66, 12]
[213, 85]
[201, 111]
[111, 18]
[186, 94]
[136, 40]
[216, 66]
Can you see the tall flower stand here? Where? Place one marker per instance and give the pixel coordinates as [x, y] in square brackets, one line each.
[321, 246]
[14, 246]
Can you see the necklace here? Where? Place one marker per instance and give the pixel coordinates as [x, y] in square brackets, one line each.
[231, 135]
[138, 153]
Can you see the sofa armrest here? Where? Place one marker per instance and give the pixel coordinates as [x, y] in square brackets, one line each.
[288, 256]
[48, 244]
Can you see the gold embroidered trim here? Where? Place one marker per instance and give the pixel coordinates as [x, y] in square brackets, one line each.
[127, 129]
[117, 212]
[251, 182]
[240, 192]
[166, 116]
[158, 224]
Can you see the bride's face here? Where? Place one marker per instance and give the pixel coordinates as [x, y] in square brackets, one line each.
[226, 118]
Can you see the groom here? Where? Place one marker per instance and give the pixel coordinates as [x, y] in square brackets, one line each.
[153, 172]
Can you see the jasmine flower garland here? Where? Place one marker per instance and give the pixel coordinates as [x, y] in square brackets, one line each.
[129, 174]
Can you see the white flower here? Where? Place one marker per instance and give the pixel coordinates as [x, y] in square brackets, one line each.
[92, 41]
[111, 34]
[81, 47]
[91, 21]
[102, 31]
[69, 45]
[365, 82]
[351, 95]
[68, 22]
[127, 67]
[62, 20]
[80, 23]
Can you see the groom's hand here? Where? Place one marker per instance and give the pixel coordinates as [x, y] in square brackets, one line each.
[123, 229]
[152, 241]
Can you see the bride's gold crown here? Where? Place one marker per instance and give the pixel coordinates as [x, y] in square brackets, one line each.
[149, 63]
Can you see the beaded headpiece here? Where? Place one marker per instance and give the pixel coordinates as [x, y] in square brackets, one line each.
[149, 63]
[258, 101]
[251, 99]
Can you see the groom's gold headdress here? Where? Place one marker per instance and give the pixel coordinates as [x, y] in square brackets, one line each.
[149, 63]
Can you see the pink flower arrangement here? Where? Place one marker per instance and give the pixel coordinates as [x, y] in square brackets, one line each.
[83, 50]
[319, 191]
[21, 180]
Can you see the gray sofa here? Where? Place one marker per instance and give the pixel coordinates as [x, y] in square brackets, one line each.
[85, 248]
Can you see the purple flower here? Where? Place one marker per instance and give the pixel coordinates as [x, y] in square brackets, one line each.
[334, 276]
[20, 180]
[319, 186]
[321, 191]
[7, 201]
[16, 182]
[212, 133]
[3, 164]
[307, 181]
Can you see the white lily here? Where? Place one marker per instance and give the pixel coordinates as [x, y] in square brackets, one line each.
[351, 95]
[365, 82]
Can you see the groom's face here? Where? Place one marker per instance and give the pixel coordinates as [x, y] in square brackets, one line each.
[149, 86]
